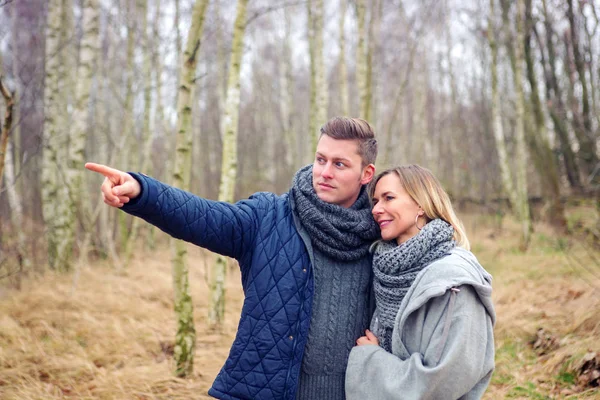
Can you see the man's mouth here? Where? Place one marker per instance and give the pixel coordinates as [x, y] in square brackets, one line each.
[326, 186]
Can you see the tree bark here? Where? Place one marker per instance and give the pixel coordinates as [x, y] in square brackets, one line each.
[6, 123]
[286, 94]
[522, 208]
[556, 106]
[343, 68]
[318, 113]
[536, 137]
[88, 55]
[583, 131]
[58, 216]
[518, 197]
[497, 126]
[147, 137]
[185, 338]
[127, 121]
[361, 58]
[230, 157]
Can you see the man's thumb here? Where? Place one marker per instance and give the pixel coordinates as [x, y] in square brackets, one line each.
[129, 189]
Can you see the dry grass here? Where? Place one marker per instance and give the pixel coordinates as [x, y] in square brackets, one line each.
[104, 339]
[554, 287]
[107, 337]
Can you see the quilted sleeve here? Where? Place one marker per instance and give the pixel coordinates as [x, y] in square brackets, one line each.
[224, 228]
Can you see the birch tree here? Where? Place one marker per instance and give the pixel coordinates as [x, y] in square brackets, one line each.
[497, 126]
[343, 68]
[583, 130]
[361, 58]
[556, 105]
[127, 119]
[185, 339]
[18, 89]
[7, 170]
[88, 55]
[367, 97]
[318, 83]
[320, 69]
[287, 96]
[57, 211]
[147, 136]
[230, 156]
[6, 123]
[536, 136]
[520, 196]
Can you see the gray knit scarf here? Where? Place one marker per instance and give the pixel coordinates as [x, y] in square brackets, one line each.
[396, 267]
[343, 234]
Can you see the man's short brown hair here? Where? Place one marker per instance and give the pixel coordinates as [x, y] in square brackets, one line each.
[344, 128]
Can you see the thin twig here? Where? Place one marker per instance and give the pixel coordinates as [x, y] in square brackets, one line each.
[5, 2]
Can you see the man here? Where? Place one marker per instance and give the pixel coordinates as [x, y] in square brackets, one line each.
[304, 260]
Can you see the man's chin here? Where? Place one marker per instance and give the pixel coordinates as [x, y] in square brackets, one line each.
[326, 197]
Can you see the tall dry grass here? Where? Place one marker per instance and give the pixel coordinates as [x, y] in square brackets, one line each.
[110, 336]
[100, 334]
[548, 306]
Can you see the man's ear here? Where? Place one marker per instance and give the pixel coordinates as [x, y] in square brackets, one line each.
[367, 174]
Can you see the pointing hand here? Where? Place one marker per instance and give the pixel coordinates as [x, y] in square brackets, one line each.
[118, 187]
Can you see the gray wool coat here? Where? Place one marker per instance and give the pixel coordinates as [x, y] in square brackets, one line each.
[442, 342]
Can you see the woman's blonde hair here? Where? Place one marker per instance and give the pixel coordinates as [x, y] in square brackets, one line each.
[427, 192]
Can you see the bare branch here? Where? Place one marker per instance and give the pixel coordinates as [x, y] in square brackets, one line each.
[5, 2]
[266, 10]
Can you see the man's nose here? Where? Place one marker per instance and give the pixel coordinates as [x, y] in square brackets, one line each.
[327, 171]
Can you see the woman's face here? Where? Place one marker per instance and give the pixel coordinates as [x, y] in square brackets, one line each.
[394, 210]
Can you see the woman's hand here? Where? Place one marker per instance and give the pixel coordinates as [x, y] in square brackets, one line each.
[368, 339]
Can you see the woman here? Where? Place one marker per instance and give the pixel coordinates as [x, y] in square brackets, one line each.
[432, 331]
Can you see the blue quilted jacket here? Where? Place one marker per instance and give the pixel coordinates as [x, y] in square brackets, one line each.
[264, 361]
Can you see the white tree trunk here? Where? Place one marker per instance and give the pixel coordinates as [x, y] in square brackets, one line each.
[286, 93]
[147, 136]
[186, 334]
[88, 56]
[320, 68]
[55, 196]
[343, 66]
[497, 126]
[230, 157]
[361, 58]
[522, 206]
[127, 123]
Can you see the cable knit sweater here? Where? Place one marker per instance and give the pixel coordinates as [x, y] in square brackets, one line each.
[337, 320]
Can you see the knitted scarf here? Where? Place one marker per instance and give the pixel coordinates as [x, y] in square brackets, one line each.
[396, 267]
[343, 234]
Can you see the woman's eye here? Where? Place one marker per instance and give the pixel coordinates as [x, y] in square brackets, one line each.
[389, 198]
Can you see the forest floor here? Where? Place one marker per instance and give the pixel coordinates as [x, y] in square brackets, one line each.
[106, 334]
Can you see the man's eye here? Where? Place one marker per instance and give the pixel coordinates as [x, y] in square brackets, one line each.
[339, 164]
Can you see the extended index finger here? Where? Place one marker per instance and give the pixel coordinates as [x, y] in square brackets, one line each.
[103, 169]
